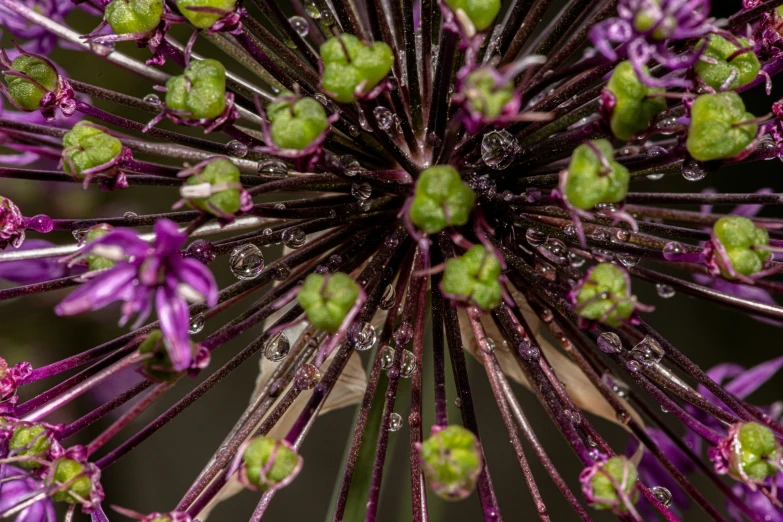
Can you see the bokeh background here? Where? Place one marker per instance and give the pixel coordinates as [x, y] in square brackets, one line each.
[156, 474]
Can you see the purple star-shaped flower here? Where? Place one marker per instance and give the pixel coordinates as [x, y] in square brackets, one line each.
[145, 274]
[16, 486]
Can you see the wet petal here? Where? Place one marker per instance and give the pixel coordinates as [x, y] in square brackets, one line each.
[174, 321]
[113, 285]
[194, 274]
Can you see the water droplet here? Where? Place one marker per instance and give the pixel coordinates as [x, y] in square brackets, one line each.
[294, 237]
[623, 417]
[237, 149]
[354, 131]
[574, 416]
[692, 170]
[388, 298]
[603, 256]
[267, 232]
[322, 99]
[307, 376]
[633, 366]
[601, 234]
[667, 125]
[387, 357]
[80, 234]
[361, 191]
[648, 351]
[384, 117]
[627, 260]
[196, 324]
[535, 236]
[654, 151]
[664, 291]
[622, 235]
[458, 402]
[489, 345]
[274, 168]
[350, 165]
[280, 272]
[662, 495]
[498, 149]
[569, 230]
[403, 333]
[277, 347]
[391, 241]
[395, 422]
[312, 10]
[363, 123]
[619, 387]
[130, 215]
[102, 49]
[555, 251]
[201, 250]
[672, 249]
[246, 262]
[575, 260]
[327, 17]
[529, 351]
[300, 25]
[655, 177]
[409, 365]
[335, 260]
[152, 98]
[609, 342]
[362, 337]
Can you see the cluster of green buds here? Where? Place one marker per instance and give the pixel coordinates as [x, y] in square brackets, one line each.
[630, 104]
[720, 127]
[604, 295]
[76, 482]
[134, 17]
[198, 96]
[352, 68]
[327, 299]
[33, 83]
[487, 96]
[158, 365]
[594, 177]
[725, 65]
[610, 484]
[474, 278]
[89, 149]
[296, 123]
[750, 453]
[269, 464]
[205, 14]
[738, 247]
[451, 460]
[474, 15]
[213, 187]
[441, 200]
[32, 444]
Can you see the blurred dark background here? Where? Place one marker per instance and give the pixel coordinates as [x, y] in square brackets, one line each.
[156, 474]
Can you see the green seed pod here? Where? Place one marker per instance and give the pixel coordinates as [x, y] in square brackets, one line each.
[717, 130]
[256, 469]
[754, 453]
[475, 277]
[296, 125]
[738, 235]
[205, 20]
[88, 146]
[485, 96]
[633, 109]
[134, 16]
[605, 296]
[327, 299]
[29, 440]
[451, 462]
[364, 64]
[67, 470]
[744, 67]
[602, 491]
[481, 13]
[441, 200]
[199, 91]
[98, 262]
[25, 93]
[589, 182]
[220, 174]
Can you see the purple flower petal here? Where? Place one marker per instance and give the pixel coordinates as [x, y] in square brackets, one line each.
[194, 274]
[32, 270]
[168, 238]
[174, 322]
[115, 284]
[14, 491]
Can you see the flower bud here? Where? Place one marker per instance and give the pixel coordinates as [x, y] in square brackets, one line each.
[205, 19]
[30, 440]
[134, 16]
[79, 478]
[441, 200]
[749, 454]
[717, 129]
[97, 262]
[200, 92]
[742, 68]
[87, 146]
[651, 16]
[738, 236]
[11, 224]
[604, 295]
[220, 180]
[327, 299]
[485, 95]
[451, 461]
[633, 109]
[296, 124]
[480, 12]
[363, 67]
[159, 366]
[40, 78]
[603, 481]
[590, 181]
[269, 464]
[474, 278]
[11, 377]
